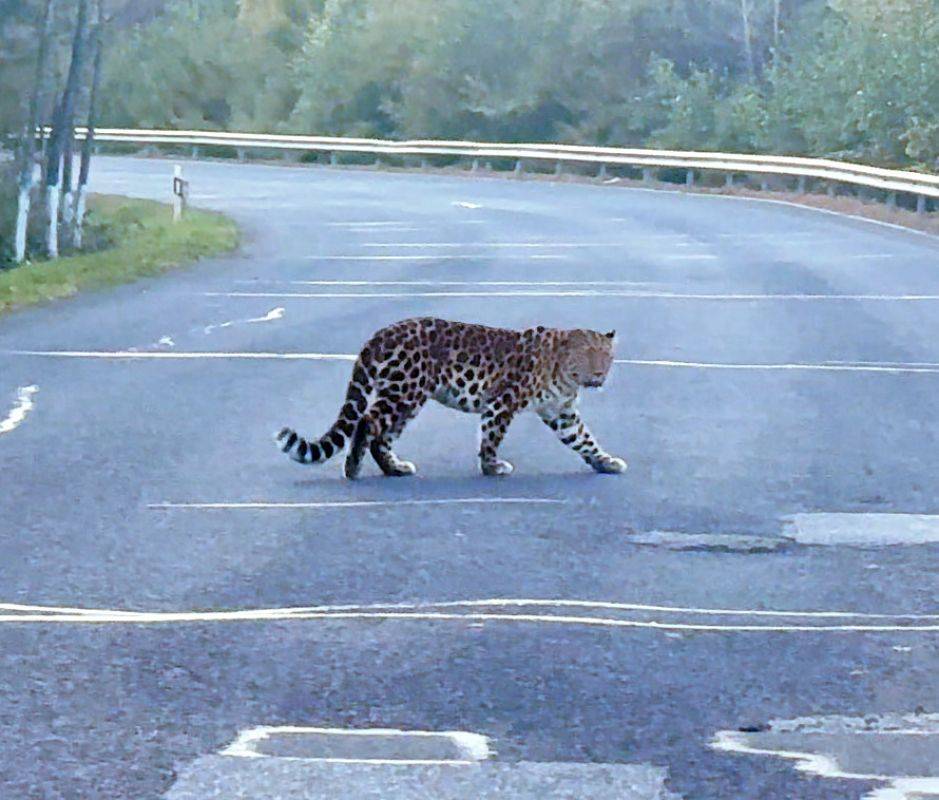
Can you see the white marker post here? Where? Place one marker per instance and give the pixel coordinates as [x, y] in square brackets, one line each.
[180, 193]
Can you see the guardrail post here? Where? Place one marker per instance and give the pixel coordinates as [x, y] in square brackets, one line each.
[801, 187]
[377, 164]
[241, 153]
[601, 175]
[764, 185]
[425, 165]
[195, 151]
[831, 190]
[475, 166]
[333, 160]
[647, 176]
[519, 168]
[689, 178]
[920, 204]
[559, 169]
[892, 200]
[729, 180]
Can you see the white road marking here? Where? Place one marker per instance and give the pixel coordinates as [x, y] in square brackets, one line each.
[148, 618]
[510, 245]
[369, 223]
[129, 354]
[869, 741]
[361, 503]
[892, 369]
[458, 614]
[628, 294]
[19, 412]
[166, 341]
[898, 368]
[460, 257]
[465, 204]
[451, 283]
[270, 316]
[473, 747]
[864, 529]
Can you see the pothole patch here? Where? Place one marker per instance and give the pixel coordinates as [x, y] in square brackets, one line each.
[711, 542]
[899, 750]
[863, 530]
[365, 746]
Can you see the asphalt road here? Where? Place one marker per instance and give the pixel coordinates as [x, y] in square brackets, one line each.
[774, 361]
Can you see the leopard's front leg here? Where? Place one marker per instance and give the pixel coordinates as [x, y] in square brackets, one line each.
[572, 431]
[495, 422]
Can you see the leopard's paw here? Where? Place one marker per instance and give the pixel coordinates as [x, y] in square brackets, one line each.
[609, 465]
[496, 468]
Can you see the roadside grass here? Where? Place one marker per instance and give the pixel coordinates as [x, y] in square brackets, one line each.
[144, 242]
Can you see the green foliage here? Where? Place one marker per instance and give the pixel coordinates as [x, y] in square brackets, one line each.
[851, 78]
[142, 239]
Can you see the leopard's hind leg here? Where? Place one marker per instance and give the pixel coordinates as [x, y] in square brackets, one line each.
[381, 425]
[390, 428]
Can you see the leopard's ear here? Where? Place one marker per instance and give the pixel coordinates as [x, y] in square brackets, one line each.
[610, 335]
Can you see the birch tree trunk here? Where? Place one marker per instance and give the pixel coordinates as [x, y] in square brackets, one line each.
[88, 145]
[745, 11]
[28, 145]
[63, 127]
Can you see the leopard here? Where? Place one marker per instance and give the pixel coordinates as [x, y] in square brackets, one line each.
[496, 373]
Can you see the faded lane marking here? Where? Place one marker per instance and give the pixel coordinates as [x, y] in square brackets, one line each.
[270, 316]
[19, 412]
[863, 529]
[360, 503]
[901, 751]
[418, 612]
[472, 747]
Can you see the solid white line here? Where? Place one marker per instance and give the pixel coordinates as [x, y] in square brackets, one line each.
[451, 283]
[525, 245]
[148, 618]
[460, 257]
[897, 369]
[360, 503]
[628, 294]
[888, 369]
[134, 355]
[501, 603]
[19, 412]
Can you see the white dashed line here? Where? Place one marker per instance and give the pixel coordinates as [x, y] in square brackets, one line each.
[360, 503]
[442, 257]
[450, 283]
[19, 412]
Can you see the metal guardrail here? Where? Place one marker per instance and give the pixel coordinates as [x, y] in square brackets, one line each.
[892, 181]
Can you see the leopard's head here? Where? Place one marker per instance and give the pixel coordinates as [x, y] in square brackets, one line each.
[587, 356]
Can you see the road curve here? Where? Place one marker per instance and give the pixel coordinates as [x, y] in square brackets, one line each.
[772, 361]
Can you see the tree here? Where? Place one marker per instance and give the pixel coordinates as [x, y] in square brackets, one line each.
[28, 143]
[63, 128]
[78, 217]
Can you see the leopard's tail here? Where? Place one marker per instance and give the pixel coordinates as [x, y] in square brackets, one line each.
[334, 440]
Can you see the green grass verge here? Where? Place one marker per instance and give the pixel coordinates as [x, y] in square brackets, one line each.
[145, 242]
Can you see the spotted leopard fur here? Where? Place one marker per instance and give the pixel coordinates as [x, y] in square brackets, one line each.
[494, 372]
